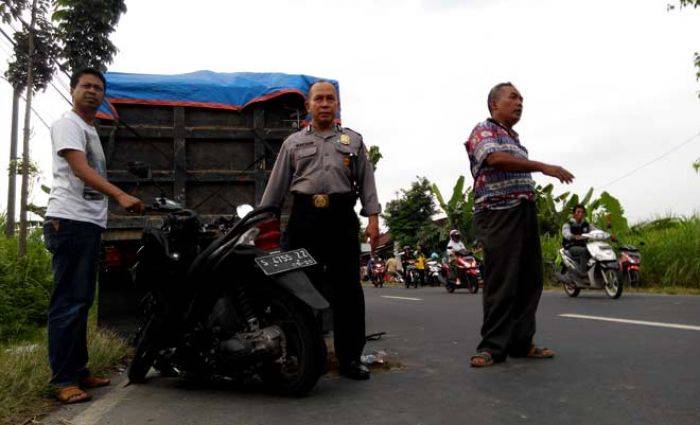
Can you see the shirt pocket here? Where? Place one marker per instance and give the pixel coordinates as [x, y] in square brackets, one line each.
[303, 156]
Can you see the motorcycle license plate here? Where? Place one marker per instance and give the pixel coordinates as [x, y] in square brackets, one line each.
[285, 261]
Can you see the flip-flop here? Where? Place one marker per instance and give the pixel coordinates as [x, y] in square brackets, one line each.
[94, 382]
[72, 394]
[539, 353]
[485, 357]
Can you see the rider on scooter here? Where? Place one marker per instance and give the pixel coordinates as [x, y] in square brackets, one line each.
[573, 240]
[454, 247]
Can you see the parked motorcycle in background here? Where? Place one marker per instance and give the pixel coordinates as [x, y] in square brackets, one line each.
[601, 270]
[630, 261]
[433, 270]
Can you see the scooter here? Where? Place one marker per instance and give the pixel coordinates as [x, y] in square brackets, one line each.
[377, 274]
[433, 271]
[601, 268]
[630, 261]
[466, 275]
[412, 276]
[223, 301]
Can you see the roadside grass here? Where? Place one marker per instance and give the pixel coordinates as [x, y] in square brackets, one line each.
[25, 392]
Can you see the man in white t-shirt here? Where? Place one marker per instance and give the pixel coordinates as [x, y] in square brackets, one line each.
[75, 218]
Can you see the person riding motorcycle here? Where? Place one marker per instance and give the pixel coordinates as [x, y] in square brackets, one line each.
[573, 241]
[406, 255]
[420, 265]
[454, 247]
[455, 244]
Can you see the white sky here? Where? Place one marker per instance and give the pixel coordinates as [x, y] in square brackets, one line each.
[608, 86]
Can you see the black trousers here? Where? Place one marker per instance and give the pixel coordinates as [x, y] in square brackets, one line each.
[513, 279]
[331, 235]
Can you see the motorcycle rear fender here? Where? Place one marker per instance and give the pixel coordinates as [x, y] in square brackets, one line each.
[295, 282]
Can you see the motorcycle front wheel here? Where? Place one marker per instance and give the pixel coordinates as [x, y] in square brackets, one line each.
[146, 349]
[304, 359]
[613, 287]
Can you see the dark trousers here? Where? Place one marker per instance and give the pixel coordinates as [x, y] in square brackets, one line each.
[513, 279]
[75, 247]
[331, 235]
[580, 254]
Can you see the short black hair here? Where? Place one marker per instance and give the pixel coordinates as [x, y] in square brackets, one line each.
[308, 93]
[577, 206]
[495, 93]
[91, 71]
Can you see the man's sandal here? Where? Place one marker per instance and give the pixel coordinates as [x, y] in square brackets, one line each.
[483, 359]
[72, 394]
[94, 382]
[539, 353]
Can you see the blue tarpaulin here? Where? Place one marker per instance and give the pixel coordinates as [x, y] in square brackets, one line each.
[205, 89]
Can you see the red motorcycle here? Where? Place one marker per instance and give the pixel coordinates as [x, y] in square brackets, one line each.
[462, 273]
[630, 261]
[378, 274]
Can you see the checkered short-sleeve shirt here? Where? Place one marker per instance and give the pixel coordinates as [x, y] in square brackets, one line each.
[495, 189]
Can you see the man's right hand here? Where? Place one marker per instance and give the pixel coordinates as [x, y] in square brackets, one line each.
[559, 172]
[130, 203]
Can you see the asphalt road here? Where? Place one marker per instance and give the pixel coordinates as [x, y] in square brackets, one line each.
[604, 372]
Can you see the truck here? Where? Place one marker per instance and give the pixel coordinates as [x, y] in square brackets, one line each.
[210, 140]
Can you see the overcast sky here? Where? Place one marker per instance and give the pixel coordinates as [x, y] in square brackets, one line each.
[608, 86]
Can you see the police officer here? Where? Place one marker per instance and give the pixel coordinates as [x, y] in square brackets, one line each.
[572, 239]
[326, 168]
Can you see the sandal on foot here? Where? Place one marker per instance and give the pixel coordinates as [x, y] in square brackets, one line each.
[483, 359]
[94, 382]
[539, 353]
[72, 394]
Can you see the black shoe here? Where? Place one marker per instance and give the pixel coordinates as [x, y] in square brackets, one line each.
[355, 370]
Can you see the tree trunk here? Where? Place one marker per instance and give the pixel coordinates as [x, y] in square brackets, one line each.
[12, 177]
[25, 145]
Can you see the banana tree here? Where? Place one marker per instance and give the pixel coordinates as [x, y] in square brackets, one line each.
[458, 209]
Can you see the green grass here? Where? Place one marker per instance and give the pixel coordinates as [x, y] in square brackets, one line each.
[25, 286]
[25, 392]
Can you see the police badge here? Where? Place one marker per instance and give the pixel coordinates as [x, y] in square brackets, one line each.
[345, 139]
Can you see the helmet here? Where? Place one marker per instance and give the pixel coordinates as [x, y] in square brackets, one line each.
[406, 247]
[454, 232]
[434, 256]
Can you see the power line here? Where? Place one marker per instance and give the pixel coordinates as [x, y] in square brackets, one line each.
[665, 154]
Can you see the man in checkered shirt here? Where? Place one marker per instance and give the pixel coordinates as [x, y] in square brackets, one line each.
[505, 221]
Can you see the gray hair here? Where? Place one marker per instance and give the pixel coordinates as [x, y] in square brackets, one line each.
[495, 93]
[308, 93]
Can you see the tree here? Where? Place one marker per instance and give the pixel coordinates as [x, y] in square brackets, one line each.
[35, 41]
[458, 210]
[84, 30]
[374, 156]
[409, 217]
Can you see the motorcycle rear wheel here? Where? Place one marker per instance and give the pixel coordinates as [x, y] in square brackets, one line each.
[305, 358]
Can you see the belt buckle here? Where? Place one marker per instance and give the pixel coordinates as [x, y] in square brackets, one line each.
[320, 201]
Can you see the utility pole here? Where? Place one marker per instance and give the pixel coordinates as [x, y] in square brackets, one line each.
[25, 145]
[12, 177]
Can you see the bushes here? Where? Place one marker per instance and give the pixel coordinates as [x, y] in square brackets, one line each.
[25, 286]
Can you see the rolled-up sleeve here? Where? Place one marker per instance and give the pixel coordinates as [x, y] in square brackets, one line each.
[368, 187]
[280, 179]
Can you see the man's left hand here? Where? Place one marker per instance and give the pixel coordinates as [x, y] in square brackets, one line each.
[372, 231]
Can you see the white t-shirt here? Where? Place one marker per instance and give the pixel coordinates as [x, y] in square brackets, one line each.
[453, 247]
[70, 198]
